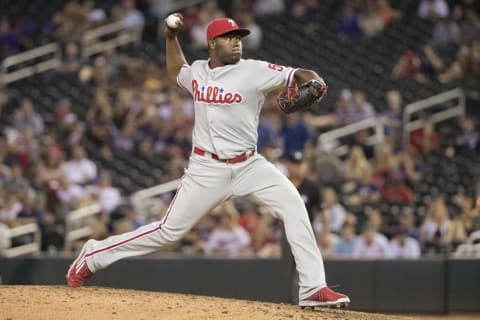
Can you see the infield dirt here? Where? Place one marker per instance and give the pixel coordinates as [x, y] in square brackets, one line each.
[62, 302]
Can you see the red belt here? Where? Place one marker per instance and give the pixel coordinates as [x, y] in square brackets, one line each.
[240, 158]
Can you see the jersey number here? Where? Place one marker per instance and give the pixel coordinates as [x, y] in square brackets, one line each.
[275, 67]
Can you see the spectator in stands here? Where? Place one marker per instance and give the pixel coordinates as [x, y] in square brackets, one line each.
[25, 117]
[10, 207]
[348, 26]
[436, 230]
[467, 221]
[362, 109]
[267, 237]
[63, 111]
[345, 244]
[425, 138]
[361, 138]
[309, 191]
[79, 169]
[411, 166]
[467, 140]
[229, 239]
[72, 196]
[295, 134]
[267, 134]
[392, 118]
[70, 23]
[306, 10]
[446, 32]
[406, 219]
[433, 9]
[466, 67]
[333, 214]
[384, 10]
[132, 17]
[355, 164]
[470, 26]
[17, 179]
[407, 66]
[49, 169]
[328, 167]
[362, 191]
[268, 7]
[124, 218]
[249, 217]
[95, 15]
[395, 191]
[422, 67]
[340, 116]
[371, 245]
[327, 242]
[460, 7]
[71, 59]
[384, 163]
[125, 139]
[377, 219]
[402, 246]
[355, 110]
[9, 39]
[107, 195]
[370, 22]
[33, 208]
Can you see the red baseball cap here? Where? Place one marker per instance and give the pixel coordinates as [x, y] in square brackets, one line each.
[222, 26]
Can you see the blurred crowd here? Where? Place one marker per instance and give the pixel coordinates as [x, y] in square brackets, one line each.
[453, 50]
[362, 204]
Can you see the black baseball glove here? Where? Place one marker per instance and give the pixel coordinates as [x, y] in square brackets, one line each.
[301, 98]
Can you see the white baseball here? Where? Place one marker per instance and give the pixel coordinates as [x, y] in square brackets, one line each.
[173, 21]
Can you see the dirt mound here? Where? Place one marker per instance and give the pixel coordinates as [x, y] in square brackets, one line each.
[62, 302]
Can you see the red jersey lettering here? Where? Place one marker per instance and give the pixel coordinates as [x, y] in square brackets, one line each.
[214, 94]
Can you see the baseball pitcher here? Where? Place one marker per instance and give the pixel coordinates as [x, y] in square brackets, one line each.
[228, 94]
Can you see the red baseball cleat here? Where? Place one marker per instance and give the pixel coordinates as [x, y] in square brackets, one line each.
[325, 297]
[78, 272]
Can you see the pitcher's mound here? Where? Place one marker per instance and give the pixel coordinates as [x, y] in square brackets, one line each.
[62, 302]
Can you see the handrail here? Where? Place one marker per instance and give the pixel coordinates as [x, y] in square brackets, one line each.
[431, 102]
[30, 56]
[103, 30]
[333, 135]
[155, 190]
[31, 247]
[93, 43]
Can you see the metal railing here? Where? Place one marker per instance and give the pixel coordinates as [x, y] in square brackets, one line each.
[27, 62]
[117, 34]
[332, 137]
[78, 224]
[456, 110]
[27, 248]
[49, 56]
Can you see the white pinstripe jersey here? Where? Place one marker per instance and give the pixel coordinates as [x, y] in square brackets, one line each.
[228, 101]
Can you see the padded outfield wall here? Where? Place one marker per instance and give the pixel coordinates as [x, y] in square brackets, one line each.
[428, 285]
